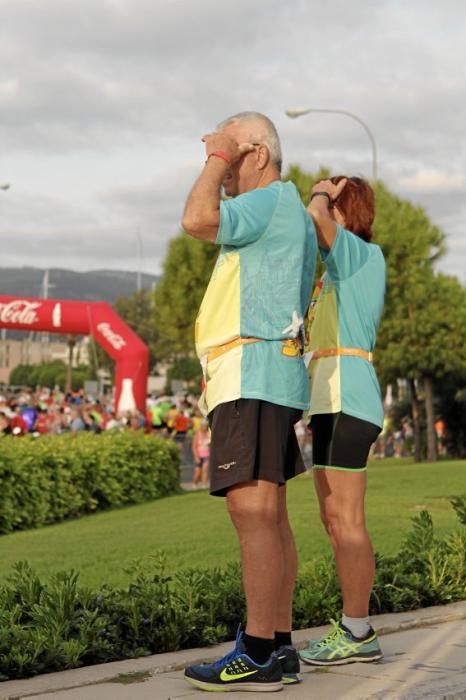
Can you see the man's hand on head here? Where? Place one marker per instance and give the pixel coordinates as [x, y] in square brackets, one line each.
[201, 217]
[218, 141]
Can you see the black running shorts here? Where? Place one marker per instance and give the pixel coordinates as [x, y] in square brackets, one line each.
[252, 439]
[340, 441]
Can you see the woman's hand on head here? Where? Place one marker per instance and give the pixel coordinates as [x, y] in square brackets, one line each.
[320, 209]
[330, 188]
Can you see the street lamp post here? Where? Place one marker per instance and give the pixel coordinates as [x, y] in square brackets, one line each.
[294, 113]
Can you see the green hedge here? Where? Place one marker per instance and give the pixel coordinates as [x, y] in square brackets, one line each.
[58, 625]
[47, 479]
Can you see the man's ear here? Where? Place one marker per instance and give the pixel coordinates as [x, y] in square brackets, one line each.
[263, 156]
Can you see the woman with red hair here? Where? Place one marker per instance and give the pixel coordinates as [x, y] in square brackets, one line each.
[346, 407]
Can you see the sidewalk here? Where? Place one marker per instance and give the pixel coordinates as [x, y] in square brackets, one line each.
[425, 657]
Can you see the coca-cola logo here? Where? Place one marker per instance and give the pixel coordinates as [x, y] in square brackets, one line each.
[56, 315]
[19, 311]
[115, 340]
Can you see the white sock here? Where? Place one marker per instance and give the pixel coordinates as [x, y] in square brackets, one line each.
[358, 626]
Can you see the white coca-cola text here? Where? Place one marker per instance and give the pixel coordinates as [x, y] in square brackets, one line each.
[115, 340]
[19, 311]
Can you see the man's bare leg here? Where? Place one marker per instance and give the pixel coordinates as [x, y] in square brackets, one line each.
[254, 509]
[283, 618]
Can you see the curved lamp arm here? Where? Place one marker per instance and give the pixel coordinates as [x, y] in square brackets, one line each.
[294, 113]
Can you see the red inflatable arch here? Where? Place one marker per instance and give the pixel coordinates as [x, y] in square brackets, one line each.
[98, 319]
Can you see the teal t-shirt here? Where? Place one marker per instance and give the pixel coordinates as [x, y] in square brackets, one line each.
[260, 288]
[348, 304]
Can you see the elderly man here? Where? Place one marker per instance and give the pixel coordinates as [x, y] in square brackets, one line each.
[248, 337]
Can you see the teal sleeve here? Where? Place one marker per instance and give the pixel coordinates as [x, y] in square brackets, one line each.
[245, 218]
[348, 255]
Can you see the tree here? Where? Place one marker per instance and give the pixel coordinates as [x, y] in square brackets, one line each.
[411, 244]
[305, 181]
[427, 341]
[24, 375]
[138, 312]
[451, 406]
[178, 295]
[187, 369]
[49, 374]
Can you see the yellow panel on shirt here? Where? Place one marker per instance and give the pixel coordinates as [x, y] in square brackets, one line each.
[218, 320]
[325, 373]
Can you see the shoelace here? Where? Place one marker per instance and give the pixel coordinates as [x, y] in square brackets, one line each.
[231, 655]
[333, 636]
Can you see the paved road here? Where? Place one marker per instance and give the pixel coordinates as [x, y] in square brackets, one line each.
[425, 657]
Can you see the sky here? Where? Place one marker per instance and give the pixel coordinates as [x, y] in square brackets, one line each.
[103, 104]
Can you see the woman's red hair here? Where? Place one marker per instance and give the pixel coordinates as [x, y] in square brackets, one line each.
[357, 205]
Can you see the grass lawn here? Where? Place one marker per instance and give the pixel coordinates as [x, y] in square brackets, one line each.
[194, 529]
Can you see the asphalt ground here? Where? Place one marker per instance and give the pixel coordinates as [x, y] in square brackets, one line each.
[424, 657]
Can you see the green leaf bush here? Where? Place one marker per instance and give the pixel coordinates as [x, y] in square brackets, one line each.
[52, 478]
[58, 625]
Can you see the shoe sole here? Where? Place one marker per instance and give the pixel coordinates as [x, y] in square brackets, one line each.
[232, 687]
[291, 679]
[342, 662]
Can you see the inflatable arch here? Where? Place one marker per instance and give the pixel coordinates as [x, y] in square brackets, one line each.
[98, 319]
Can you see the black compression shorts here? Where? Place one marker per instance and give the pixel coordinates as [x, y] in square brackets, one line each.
[340, 441]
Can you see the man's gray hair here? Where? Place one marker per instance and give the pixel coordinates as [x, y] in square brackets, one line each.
[263, 131]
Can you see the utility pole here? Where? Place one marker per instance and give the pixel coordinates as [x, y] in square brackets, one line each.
[139, 272]
[69, 369]
[44, 293]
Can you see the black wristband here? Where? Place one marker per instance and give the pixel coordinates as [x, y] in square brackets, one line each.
[321, 194]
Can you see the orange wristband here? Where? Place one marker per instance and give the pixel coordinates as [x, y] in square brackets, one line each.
[220, 154]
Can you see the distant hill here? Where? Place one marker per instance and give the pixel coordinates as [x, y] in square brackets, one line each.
[97, 285]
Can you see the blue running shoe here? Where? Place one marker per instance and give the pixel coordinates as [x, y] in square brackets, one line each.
[236, 671]
[289, 660]
[339, 647]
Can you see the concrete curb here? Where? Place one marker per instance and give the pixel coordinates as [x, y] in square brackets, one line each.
[175, 661]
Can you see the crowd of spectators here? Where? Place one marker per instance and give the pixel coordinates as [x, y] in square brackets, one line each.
[395, 440]
[45, 411]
